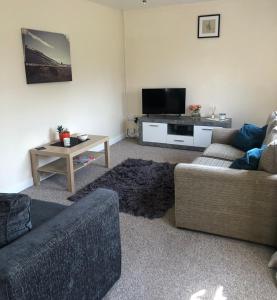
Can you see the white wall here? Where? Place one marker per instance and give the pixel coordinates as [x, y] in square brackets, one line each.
[92, 103]
[237, 72]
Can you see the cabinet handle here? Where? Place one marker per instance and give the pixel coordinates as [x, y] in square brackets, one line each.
[179, 141]
[154, 125]
[207, 129]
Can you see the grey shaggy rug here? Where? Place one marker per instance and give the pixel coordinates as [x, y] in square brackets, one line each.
[145, 188]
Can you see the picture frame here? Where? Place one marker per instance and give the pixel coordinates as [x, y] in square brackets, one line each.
[46, 56]
[209, 26]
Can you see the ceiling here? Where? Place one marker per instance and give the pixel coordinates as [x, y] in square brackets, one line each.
[132, 4]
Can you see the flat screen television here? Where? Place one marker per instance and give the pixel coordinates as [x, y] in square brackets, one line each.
[164, 101]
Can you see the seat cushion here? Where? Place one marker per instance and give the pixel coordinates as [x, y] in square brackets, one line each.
[222, 151]
[15, 217]
[212, 162]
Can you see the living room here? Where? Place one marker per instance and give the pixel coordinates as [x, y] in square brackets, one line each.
[117, 50]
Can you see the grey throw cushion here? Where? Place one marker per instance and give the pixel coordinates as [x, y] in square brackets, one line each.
[15, 218]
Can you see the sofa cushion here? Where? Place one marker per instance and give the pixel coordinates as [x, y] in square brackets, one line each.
[212, 162]
[249, 136]
[250, 161]
[222, 151]
[15, 217]
[268, 161]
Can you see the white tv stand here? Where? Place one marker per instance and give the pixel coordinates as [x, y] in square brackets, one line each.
[178, 132]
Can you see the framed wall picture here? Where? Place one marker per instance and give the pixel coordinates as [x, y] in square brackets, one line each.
[209, 26]
[46, 56]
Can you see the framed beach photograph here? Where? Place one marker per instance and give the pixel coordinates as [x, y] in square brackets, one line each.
[46, 56]
[209, 26]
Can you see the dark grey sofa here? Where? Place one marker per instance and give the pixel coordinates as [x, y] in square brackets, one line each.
[71, 253]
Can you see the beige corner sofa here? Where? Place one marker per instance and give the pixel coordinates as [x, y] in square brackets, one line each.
[211, 197]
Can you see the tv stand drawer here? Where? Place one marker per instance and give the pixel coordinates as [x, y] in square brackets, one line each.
[183, 140]
[154, 132]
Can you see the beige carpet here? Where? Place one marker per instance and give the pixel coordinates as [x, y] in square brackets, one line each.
[162, 262]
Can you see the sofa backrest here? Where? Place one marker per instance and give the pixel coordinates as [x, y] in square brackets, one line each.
[268, 161]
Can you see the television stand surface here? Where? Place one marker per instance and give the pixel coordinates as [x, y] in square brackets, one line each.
[163, 116]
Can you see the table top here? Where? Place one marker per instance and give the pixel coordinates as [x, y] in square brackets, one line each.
[93, 141]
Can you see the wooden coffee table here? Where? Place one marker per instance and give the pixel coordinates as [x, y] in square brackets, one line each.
[65, 164]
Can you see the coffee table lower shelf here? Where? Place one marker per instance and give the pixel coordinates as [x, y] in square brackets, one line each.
[59, 166]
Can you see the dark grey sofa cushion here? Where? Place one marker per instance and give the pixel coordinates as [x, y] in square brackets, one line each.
[15, 218]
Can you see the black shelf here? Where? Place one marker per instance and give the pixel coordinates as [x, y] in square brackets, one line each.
[177, 129]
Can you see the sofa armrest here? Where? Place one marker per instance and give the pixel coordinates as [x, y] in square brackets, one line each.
[75, 255]
[229, 202]
[223, 135]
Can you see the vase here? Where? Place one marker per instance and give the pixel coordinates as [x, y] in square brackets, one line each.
[196, 114]
[64, 135]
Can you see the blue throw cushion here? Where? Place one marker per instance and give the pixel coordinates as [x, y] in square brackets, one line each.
[250, 161]
[15, 218]
[249, 137]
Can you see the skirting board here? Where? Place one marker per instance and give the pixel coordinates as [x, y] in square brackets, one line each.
[29, 182]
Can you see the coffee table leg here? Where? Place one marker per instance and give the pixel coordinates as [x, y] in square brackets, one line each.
[107, 154]
[70, 175]
[35, 173]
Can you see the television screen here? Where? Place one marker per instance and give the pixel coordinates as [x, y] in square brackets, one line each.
[164, 101]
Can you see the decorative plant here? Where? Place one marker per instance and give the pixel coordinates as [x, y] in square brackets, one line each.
[60, 129]
[63, 132]
[195, 108]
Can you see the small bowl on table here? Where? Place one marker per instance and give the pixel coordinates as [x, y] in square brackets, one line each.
[82, 137]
